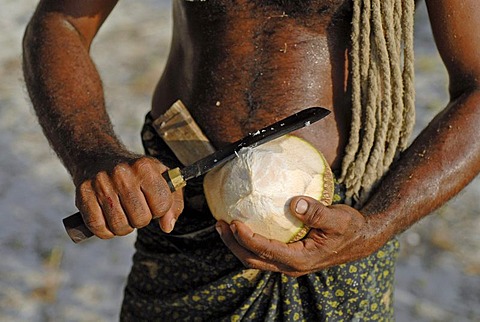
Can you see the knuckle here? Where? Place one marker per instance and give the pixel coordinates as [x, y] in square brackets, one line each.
[121, 171]
[315, 215]
[265, 254]
[83, 193]
[144, 164]
[100, 177]
[150, 171]
[117, 224]
[124, 182]
[102, 184]
[85, 186]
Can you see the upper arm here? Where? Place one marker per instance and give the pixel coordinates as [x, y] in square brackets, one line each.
[85, 16]
[455, 28]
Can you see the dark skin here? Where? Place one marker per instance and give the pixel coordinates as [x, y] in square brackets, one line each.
[262, 60]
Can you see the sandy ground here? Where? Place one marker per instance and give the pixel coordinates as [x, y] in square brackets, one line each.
[45, 277]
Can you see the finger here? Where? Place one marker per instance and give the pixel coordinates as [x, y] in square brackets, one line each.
[92, 213]
[167, 222]
[136, 208]
[313, 213]
[153, 186]
[248, 259]
[286, 257]
[269, 254]
[269, 249]
[132, 199]
[109, 201]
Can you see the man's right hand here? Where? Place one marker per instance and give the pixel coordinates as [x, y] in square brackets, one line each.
[118, 196]
[116, 190]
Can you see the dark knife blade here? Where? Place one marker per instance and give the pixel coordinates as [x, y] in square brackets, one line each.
[177, 178]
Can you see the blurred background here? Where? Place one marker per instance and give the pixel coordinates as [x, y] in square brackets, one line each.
[45, 277]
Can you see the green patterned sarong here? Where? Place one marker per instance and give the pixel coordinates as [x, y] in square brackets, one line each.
[190, 275]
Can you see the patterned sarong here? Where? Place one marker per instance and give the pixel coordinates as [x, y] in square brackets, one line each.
[190, 275]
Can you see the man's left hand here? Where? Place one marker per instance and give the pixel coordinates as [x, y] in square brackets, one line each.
[338, 234]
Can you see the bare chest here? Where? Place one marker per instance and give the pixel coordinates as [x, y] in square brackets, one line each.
[215, 10]
[239, 65]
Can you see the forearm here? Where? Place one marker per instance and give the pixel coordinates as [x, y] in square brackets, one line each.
[67, 94]
[439, 163]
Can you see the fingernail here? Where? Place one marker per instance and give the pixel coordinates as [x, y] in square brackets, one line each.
[301, 207]
[172, 223]
[219, 229]
[233, 227]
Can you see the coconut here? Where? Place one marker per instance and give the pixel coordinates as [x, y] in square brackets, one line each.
[256, 187]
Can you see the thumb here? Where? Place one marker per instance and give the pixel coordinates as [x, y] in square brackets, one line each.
[312, 213]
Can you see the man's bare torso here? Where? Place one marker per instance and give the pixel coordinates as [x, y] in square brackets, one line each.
[240, 65]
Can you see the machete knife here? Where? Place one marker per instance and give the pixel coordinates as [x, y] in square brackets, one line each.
[177, 178]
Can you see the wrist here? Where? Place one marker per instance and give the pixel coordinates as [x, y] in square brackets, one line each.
[378, 229]
[89, 164]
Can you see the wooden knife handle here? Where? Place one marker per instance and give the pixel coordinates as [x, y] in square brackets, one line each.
[76, 228]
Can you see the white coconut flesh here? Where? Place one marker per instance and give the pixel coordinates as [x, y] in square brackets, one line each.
[257, 186]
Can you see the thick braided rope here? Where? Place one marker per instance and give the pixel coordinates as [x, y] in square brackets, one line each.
[382, 92]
